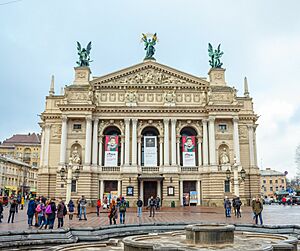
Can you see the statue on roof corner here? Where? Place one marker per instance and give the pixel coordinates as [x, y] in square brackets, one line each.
[215, 56]
[149, 45]
[84, 55]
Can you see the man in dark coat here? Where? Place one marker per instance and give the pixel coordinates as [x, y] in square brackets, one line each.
[257, 208]
[12, 211]
[31, 211]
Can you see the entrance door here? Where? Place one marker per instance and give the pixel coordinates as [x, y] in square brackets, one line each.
[150, 189]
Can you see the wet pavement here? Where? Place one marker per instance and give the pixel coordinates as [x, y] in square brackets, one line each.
[272, 214]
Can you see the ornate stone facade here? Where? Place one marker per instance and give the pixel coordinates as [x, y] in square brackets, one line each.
[150, 99]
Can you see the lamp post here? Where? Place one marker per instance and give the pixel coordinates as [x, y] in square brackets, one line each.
[68, 168]
[236, 180]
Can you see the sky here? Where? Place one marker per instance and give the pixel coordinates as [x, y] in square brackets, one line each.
[260, 40]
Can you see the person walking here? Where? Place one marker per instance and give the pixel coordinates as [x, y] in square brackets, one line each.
[71, 208]
[238, 204]
[234, 205]
[227, 206]
[82, 204]
[139, 205]
[152, 205]
[51, 214]
[30, 211]
[61, 212]
[78, 208]
[40, 209]
[98, 207]
[257, 208]
[122, 210]
[113, 213]
[1, 210]
[22, 202]
[157, 206]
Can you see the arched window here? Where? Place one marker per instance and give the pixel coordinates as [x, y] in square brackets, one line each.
[188, 147]
[150, 147]
[111, 142]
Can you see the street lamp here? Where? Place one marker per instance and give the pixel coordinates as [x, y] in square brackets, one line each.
[236, 179]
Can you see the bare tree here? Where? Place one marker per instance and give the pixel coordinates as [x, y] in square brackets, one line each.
[297, 160]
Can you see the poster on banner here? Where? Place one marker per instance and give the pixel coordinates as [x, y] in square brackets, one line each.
[193, 197]
[114, 195]
[111, 150]
[150, 151]
[188, 151]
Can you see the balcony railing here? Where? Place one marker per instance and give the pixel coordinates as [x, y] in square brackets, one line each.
[189, 169]
[111, 169]
[150, 169]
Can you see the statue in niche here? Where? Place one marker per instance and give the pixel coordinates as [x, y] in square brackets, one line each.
[75, 156]
[224, 158]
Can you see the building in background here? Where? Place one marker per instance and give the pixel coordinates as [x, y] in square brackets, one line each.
[17, 177]
[150, 130]
[23, 147]
[271, 182]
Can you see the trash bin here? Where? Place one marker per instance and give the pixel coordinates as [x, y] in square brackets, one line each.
[172, 203]
[127, 203]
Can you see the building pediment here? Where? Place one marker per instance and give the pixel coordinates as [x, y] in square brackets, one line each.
[149, 73]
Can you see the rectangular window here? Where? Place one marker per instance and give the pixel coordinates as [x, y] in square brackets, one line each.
[264, 181]
[276, 188]
[271, 181]
[222, 127]
[271, 189]
[282, 181]
[77, 127]
[276, 181]
[227, 186]
[265, 189]
[74, 186]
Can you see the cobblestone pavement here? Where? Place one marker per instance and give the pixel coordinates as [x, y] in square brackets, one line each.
[272, 214]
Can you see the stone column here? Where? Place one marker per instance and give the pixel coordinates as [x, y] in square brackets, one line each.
[199, 151]
[212, 141]
[142, 190]
[166, 142]
[63, 140]
[101, 190]
[159, 188]
[95, 142]
[236, 140]
[88, 139]
[122, 150]
[47, 142]
[181, 192]
[100, 163]
[134, 142]
[236, 180]
[178, 149]
[251, 145]
[119, 188]
[198, 193]
[127, 140]
[161, 163]
[69, 183]
[205, 142]
[139, 150]
[42, 148]
[255, 147]
[173, 141]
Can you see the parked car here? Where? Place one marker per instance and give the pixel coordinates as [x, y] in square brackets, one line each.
[296, 200]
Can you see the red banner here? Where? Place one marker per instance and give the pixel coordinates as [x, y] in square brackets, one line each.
[188, 150]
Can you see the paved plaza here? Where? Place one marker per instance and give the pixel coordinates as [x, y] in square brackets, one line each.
[272, 214]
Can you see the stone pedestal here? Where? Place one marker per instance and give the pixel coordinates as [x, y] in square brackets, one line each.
[82, 75]
[217, 76]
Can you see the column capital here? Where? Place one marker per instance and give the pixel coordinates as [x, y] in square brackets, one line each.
[139, 139]
[166, 121]
[134, 121]
[96, 120]
[64, 118]
[199, 139]
[88, 118]
[204, 121]
[127, 121]
[235, 119]
[47, 126]
[211, 118]
[173, 121]
[250, 127]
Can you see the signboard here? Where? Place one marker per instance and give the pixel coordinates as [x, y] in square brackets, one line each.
[193, 197]
[188, 151]
[150, 151]
[111, 150]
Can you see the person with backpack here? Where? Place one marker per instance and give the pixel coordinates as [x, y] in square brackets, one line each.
[71, 208]
[40, 209]
[227, 206]
[238, 204]
[139, 205]
[122, 210]
[12, 211]
[98, 206]
[113, 213]
[61, 212]
[51, 214]
[152, 205]
[30, 211]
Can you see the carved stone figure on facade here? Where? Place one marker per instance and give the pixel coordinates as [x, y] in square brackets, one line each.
[224, 158]
[170, 98]
[75, 156]
[56, 131]
[149, 45]
[203, 98]
[91, 95]
[84, 55]
[131, 97]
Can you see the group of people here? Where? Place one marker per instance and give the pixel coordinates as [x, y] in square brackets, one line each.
[235, 204]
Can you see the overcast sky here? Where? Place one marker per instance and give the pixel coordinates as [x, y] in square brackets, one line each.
[261, 40]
